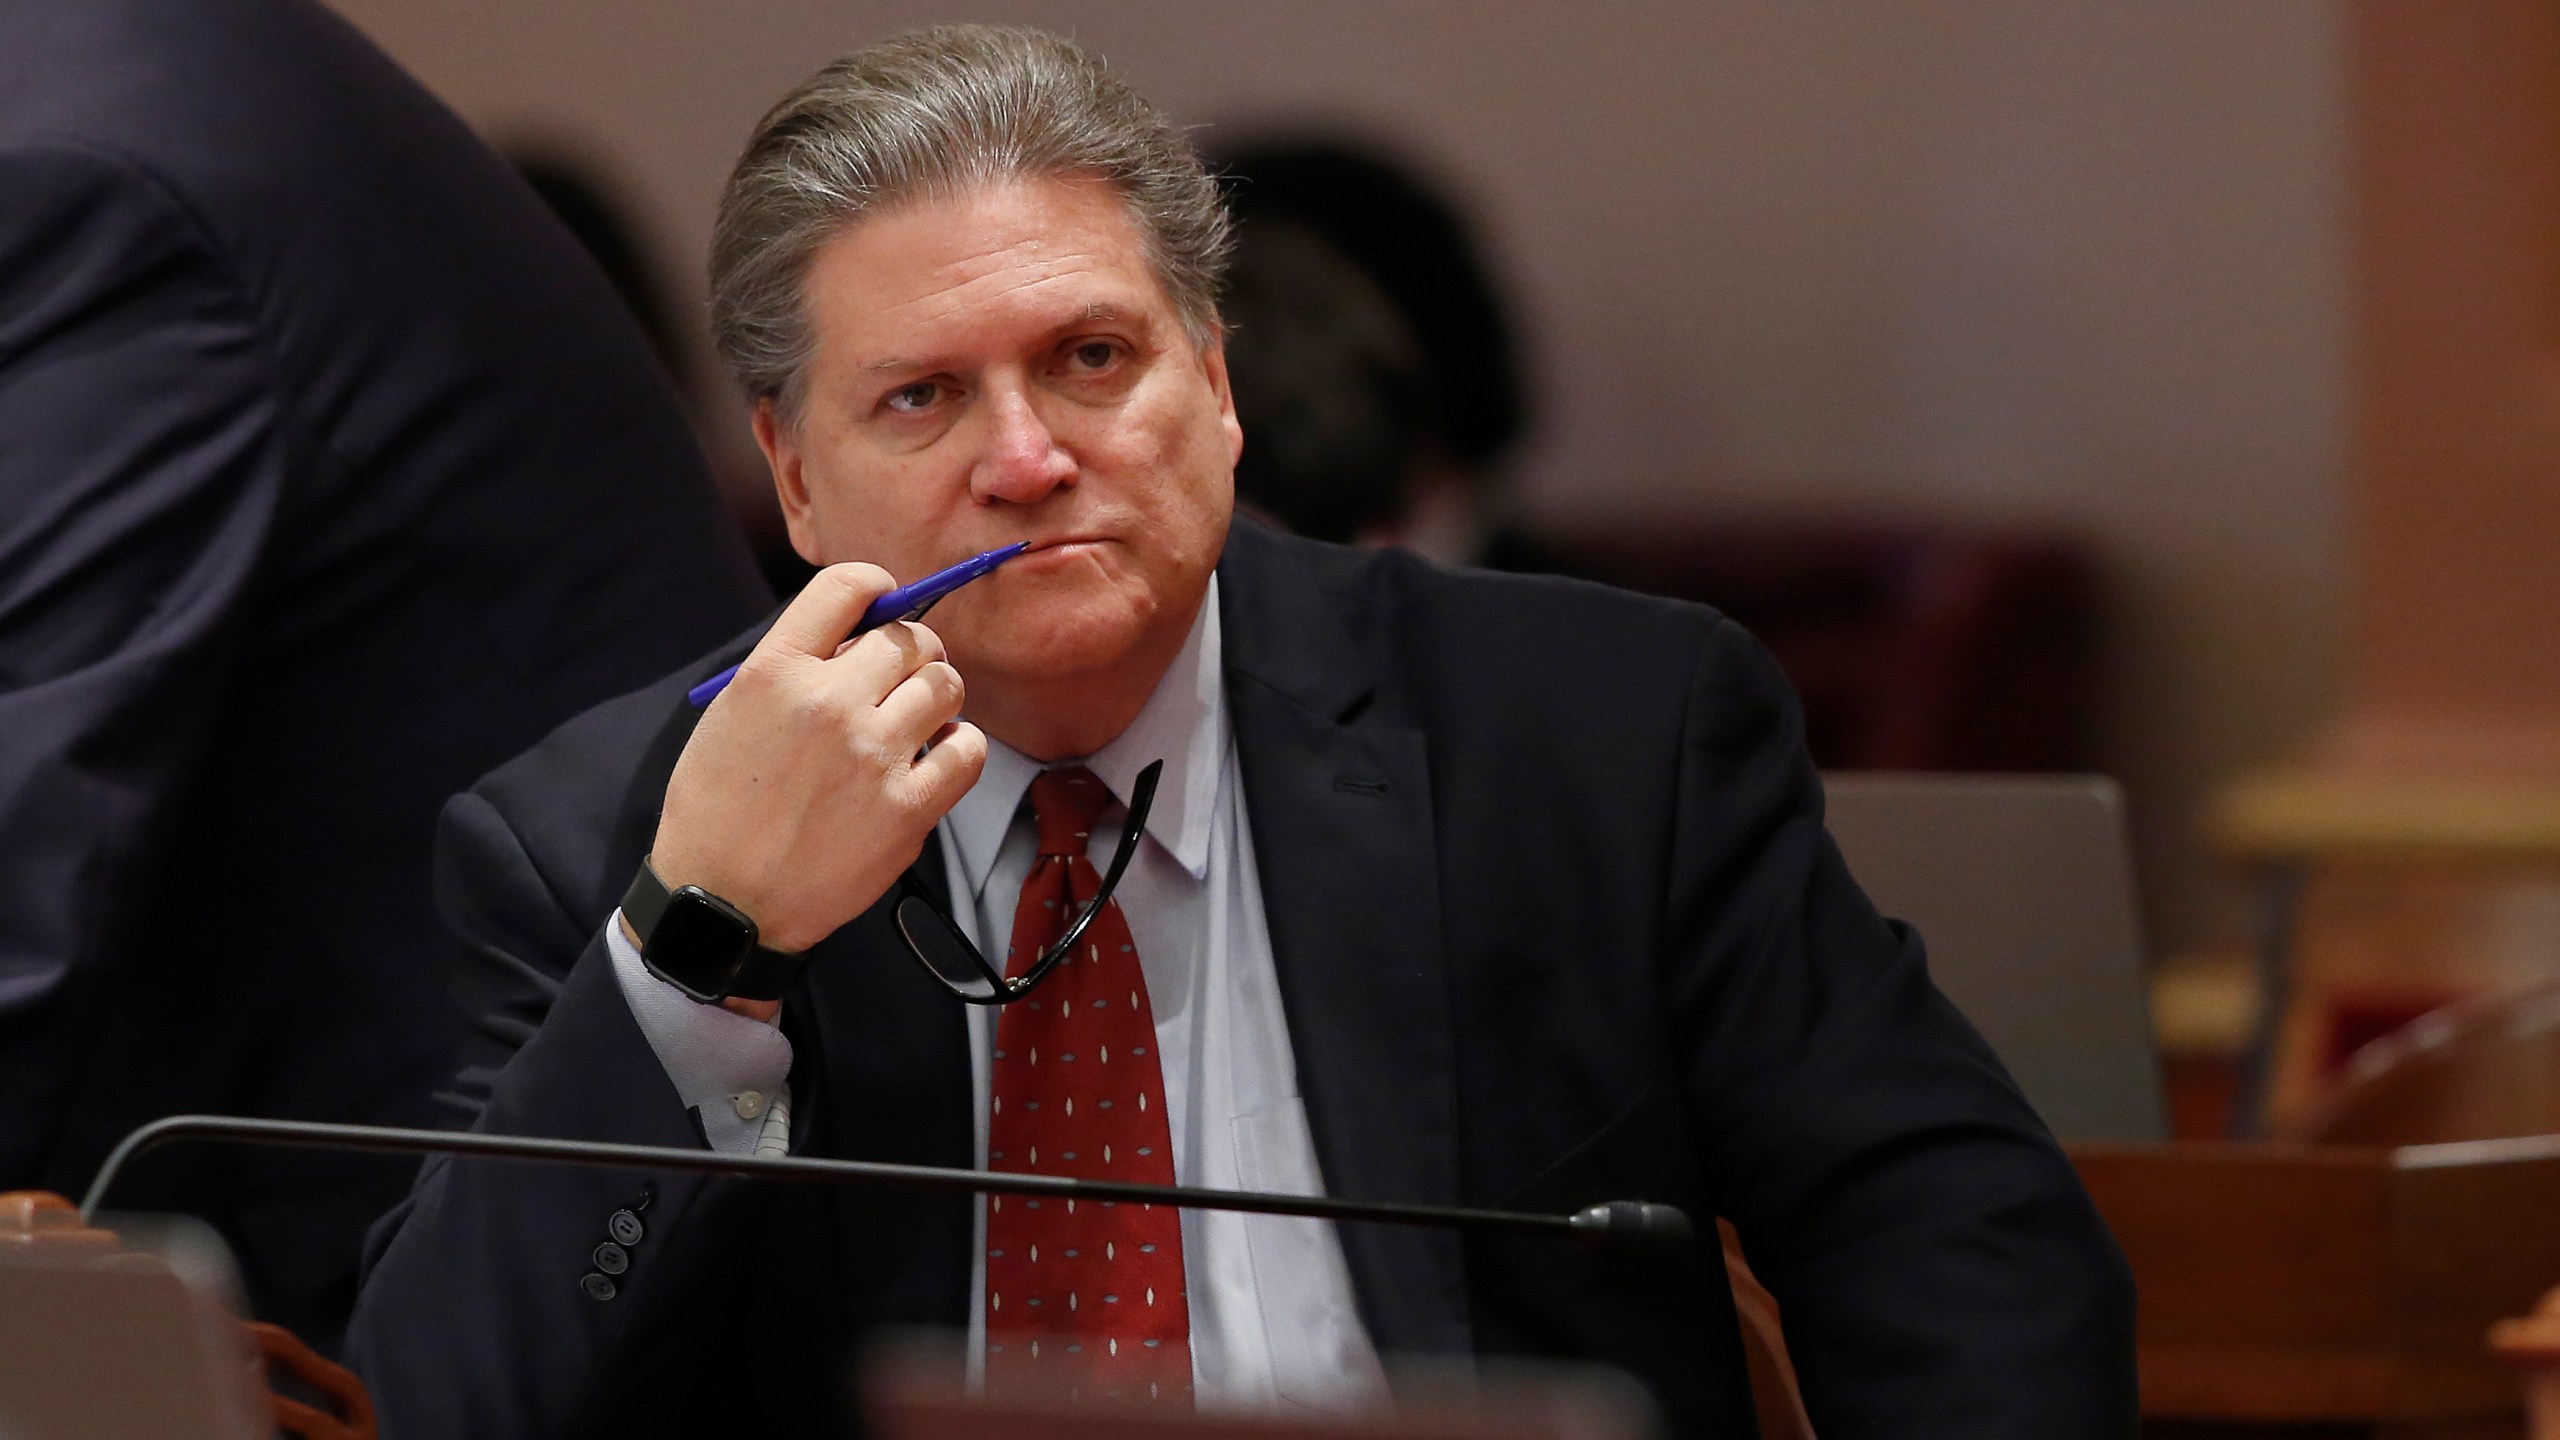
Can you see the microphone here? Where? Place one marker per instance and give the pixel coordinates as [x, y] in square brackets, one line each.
[1625, 1227]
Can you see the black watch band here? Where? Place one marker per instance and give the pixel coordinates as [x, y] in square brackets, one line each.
[702, 944]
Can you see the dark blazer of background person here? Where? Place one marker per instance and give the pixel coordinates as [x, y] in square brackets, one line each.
[1537, 946]
[331, 474]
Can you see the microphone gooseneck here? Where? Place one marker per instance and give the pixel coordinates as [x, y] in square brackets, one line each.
[1621, 1226]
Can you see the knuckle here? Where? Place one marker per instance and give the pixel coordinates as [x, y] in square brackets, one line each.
[826, 708]
[876, 750]
[958, 756]
[879, 647]
[899, 635]
[762, 674]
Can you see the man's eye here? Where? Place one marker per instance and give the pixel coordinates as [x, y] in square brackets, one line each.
[908, 399]
[1094, 355]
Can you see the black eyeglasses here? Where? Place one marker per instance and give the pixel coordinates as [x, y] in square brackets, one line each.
[947, 955]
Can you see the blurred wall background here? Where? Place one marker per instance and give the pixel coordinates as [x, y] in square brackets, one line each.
[2054, 261]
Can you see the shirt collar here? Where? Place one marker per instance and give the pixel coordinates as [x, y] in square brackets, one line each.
[1184, 724]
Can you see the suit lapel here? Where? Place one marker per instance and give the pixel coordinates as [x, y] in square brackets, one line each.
[1339, 802]
[895, 1043]
[894, 1048]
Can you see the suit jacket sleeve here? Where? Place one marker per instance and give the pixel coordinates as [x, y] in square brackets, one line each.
[142, 466]
[1940, 1270]
[474, 1319]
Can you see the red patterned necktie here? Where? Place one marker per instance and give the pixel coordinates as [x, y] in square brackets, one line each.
[1081, 1297]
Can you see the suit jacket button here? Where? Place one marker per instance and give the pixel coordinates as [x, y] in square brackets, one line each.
[625, 1228]
[597, 1286]
[612, 1259]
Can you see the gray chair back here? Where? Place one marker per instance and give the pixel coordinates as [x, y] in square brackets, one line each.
[2022, 887]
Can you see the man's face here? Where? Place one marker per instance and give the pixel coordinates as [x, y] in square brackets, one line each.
[1004, 366]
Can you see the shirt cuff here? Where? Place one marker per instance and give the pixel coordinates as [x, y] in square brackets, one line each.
[731, 1070]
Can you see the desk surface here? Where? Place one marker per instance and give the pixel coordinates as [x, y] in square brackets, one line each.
[2307, 814]
[2302, 1285]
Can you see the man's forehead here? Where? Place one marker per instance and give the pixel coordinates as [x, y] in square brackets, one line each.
[1029, 253]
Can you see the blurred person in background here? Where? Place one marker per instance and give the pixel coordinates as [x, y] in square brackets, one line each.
[1329, 383]
[1417, 251]
[331, 474]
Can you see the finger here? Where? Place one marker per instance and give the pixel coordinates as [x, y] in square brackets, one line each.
[872, 665]
[916, 710]
[949, 765]
[825, 611]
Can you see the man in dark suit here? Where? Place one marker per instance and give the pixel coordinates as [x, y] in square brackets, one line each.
[1454, 888]
[331, 474]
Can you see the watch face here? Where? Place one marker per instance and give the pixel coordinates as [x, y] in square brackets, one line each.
[698, 944]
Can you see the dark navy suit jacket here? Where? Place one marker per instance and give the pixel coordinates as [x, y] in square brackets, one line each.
[1555, 920]
[331, 475]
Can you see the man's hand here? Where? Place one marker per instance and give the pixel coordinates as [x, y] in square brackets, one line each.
[802, 793]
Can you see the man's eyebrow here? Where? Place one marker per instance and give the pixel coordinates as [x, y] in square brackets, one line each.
[1098, 312]
[1101, 312]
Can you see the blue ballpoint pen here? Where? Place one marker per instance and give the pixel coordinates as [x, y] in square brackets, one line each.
[904, 603]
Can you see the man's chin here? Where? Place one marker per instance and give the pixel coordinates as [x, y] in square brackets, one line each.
[1057, 650]
[1062, 630]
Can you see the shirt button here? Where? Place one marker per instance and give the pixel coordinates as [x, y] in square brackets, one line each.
[597, 1286]
[625, 1228]
[612, 1259]
[748, 1103]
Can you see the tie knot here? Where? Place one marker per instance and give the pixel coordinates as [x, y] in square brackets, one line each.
[1064, 804]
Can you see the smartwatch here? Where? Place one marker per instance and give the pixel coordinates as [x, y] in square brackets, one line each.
[702, 944]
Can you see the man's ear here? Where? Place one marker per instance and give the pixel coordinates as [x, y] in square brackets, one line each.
[780, 443]
[1213, 362]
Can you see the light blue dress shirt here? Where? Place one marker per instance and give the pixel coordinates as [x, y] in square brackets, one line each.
[1273, 1320]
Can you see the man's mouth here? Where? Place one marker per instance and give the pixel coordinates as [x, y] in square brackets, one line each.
[1062, 546]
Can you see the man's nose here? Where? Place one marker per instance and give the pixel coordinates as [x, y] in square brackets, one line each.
[1023, 461]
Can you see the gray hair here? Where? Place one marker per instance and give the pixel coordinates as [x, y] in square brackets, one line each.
[929, 114]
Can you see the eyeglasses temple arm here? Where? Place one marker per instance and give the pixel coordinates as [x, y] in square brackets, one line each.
[1142, 800]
